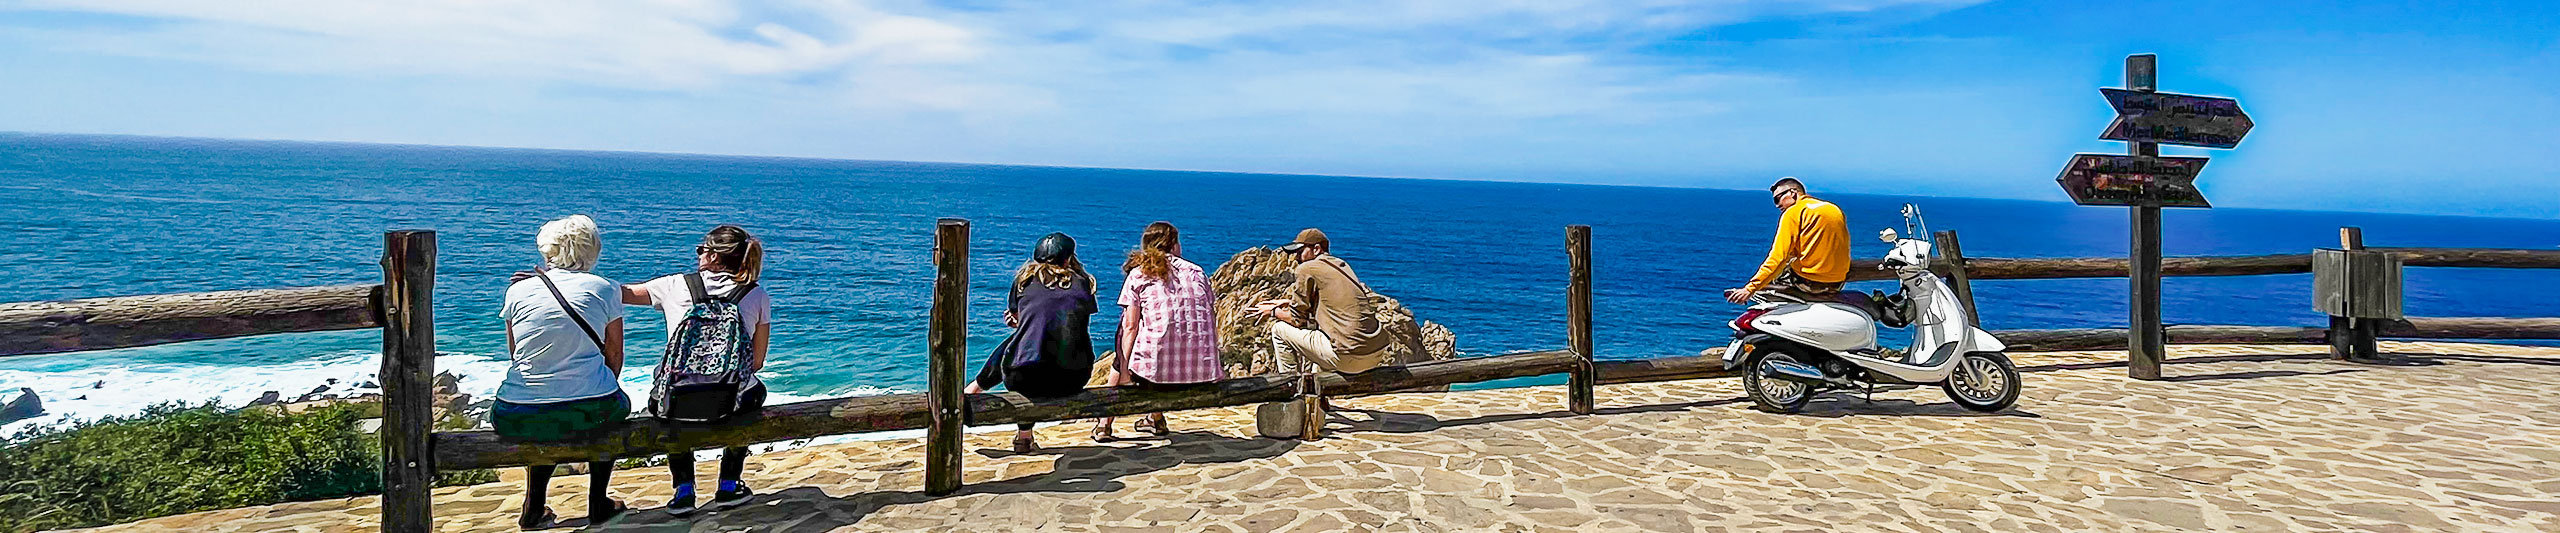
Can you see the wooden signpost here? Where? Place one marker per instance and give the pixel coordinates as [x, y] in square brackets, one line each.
[2146, 182]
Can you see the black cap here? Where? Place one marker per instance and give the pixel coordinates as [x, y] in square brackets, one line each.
[1054, 249]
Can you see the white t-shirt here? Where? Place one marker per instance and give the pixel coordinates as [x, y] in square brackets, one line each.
[553, 360]
[668, 294]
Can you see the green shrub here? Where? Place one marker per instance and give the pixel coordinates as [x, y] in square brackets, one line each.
[176, 458]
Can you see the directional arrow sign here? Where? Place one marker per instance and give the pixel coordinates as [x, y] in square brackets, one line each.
[2105, 179]
[2176, 119]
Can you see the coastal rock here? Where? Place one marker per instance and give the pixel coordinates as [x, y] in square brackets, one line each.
[270, 398]
[316, 393]
[1258, 274]
[25, 406]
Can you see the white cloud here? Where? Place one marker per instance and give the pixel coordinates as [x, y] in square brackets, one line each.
[1040, 77]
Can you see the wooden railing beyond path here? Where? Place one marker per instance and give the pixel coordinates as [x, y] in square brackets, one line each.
[2246, 265]
[128, 321]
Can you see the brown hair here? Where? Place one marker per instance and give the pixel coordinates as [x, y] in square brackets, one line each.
[1055, 276]
[1154, 256]
[734, 251]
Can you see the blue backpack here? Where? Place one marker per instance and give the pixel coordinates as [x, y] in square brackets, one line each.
[704, 372]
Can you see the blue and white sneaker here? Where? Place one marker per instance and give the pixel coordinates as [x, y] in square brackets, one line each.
[682, 505]
[732, 498]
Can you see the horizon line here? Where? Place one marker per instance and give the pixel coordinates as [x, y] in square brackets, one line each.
[1173, 170]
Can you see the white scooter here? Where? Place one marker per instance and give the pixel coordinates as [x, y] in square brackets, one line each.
[1789, 350]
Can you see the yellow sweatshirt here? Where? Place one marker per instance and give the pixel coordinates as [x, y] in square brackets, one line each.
[1814, 235]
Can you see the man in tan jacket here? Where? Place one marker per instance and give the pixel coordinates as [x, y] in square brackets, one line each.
[1324, 321]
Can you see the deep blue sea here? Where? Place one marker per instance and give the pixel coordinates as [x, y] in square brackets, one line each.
[849, 246]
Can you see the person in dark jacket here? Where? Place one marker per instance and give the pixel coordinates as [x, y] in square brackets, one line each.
[1050, 354]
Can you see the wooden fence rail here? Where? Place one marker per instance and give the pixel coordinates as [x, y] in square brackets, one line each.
[2245, 265]
[893, 412]
[2467, 328]
[128, 321]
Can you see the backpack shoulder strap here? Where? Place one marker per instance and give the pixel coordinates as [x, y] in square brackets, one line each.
[738, 294]
[570, 310]
[693, 282]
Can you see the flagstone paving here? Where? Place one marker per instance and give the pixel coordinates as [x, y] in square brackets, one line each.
[2238, 439]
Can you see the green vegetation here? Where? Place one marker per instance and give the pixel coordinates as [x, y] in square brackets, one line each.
[176, 458]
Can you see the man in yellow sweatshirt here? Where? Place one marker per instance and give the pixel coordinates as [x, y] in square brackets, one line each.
[1810, 258]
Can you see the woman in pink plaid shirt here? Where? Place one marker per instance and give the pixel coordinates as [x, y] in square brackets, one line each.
[1168, 323]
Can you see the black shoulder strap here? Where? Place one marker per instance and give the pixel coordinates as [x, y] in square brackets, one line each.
[738, 294]
[570, 310]
[693, 282]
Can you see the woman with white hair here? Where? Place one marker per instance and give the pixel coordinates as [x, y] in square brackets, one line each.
[564, 339]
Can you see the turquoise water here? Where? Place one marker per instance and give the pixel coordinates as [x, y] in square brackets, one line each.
[850, 250]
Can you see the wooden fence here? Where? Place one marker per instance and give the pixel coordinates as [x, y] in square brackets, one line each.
[402, 307]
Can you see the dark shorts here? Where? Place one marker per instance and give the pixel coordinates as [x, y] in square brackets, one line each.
[559, 421]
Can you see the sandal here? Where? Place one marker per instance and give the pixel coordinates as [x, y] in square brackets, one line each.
[546, 521]
[1102, 433]
[1151, 427]
[1025, 446]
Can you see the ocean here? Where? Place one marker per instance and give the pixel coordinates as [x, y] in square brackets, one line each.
[850, 265]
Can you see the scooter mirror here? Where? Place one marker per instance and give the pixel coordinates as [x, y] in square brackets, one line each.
[1888, 235]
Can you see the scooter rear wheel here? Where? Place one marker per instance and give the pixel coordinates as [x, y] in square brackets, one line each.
[1984, 381]
[1773, 394]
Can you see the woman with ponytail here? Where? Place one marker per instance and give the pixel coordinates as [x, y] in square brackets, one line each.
[1168, 323]
[729, 266]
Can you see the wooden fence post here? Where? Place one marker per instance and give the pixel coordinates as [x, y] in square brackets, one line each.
[1954, 254]
[947, 341]
[1577, 318]
[2353, 339]
[2144, 343]
[408, 379]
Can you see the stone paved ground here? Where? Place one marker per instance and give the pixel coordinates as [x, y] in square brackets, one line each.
[2239, 439]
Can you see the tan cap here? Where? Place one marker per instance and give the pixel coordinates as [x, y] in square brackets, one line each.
[1306, 237]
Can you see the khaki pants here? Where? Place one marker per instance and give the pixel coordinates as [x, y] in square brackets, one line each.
[1792, 288]
[1293, 348]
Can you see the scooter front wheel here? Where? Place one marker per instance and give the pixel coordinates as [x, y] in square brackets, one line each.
[1984, 381]
[1773, 394]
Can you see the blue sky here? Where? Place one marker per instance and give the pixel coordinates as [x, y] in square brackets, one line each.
[2381, 107]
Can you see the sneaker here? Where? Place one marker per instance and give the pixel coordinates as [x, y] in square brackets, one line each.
[728, 499]
[682, 505]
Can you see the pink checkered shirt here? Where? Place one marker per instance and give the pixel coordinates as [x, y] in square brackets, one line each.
[1177, 337]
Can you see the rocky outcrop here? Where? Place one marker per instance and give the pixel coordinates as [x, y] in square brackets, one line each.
[25, 406]
[1259, 274]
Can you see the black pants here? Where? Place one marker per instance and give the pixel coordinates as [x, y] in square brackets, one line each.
[733, 463]
[733, 460]
[1035, 383]
[537, 482]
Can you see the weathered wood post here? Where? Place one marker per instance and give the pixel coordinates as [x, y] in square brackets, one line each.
[1577, 318]
[2353, 338]
[2144, 346]
[408, 379]
[1953, 252]
[947, 341]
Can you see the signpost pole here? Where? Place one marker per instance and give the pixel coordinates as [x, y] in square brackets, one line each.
[2144, 348]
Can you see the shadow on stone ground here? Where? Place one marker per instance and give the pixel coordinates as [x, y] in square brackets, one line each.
[1078, 469]
[2239, 438]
